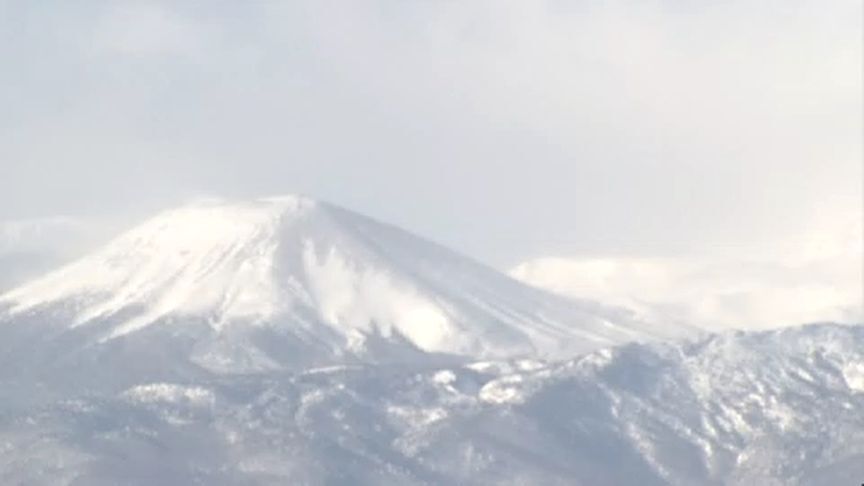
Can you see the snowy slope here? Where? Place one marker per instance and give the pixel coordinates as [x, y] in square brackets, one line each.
[775, 408]
[264, 284]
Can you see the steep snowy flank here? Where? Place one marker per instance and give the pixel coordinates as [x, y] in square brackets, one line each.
[776, 408]
[260, 284]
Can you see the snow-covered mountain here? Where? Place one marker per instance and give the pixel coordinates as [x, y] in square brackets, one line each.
[288, 341]
[290, 282]
[775, 408]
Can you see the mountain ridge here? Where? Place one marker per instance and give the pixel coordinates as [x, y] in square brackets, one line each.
[774, 408]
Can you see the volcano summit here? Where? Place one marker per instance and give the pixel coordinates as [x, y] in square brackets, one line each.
[290, 282]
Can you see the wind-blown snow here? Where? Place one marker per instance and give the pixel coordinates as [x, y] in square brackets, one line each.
[347, 296]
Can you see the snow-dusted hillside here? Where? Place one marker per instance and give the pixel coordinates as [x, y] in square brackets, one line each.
[290, 282]
[776, 408]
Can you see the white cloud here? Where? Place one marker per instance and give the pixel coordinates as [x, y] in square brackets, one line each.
[712, 294]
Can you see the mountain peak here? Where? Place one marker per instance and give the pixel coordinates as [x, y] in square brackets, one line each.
[205, 224]
[219, 217]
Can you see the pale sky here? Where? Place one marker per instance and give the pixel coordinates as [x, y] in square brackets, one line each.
[507, 129]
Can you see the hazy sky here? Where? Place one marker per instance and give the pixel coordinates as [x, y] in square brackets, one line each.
[505, 128]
